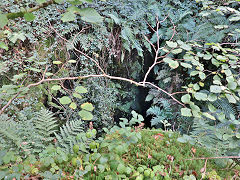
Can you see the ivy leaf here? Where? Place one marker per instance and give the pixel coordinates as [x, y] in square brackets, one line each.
[3, 20]
[56, 87]
[3, 46]
[81, 89]
[85, 115]
[90, 15]
[87, 106]
[171, 44]
[29, 16]
[65, 100]
[186, 98]
[215, 89]
[68, 16]
[73, 105]
[186, 112]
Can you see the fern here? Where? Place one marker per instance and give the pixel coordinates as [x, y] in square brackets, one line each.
[28, 135]
[161, 114]
[68, 133]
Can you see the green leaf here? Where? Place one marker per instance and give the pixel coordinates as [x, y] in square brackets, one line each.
[186, 112]
[65, 100]
[3, 20]
[207, 56]
[81, 89]
[87, 106]
[73, 105]
[186, 47]
[231, 98]
[57, 62]
[171, 44]
[59, 1]
[186, 65]
[186, 98]
[209, 116]
[90, 15]
[121, 168]
[68, 16]
[167, 60]
[29, 16]
[56, 87]
[176, 51]
[72, 61]
[3, 46]
[194, 73]
[232, 85]
[200, 96]
[196, 87]
[202, 75]
[174, 64]
[41, 1]
[85, 115]
[76, 95]
[212, 97]
[215, 89]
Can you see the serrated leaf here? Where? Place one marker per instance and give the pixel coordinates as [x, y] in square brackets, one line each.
[200, 96]
[174, 64]
[186, 98]
[186, 65]
[81, 89]
[176, 51]
[65, 100]
[68, 16]
[76, 95]
[171, 44]
[212, 97]
[90, 15]
[73, 105]
[167, 60]
[215, 89]
[231, 98]
[202, 75]
[194, 73]
[186, 112]
[186, 47]
[29, 16]
[87, 106]
[3, 20]
[56, 87]
[85, 115]
[232, 85]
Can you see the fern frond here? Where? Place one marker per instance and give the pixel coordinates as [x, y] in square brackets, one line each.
[68, 132]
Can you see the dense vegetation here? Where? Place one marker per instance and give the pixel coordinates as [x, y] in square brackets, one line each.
[72, 69]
